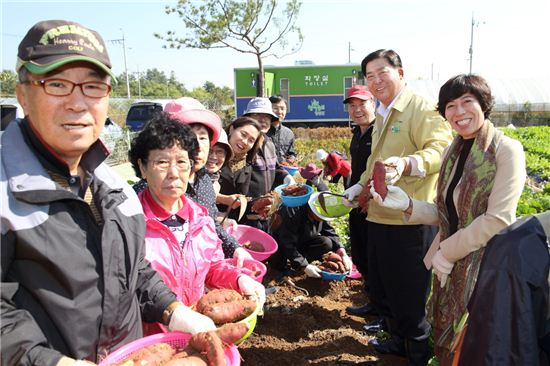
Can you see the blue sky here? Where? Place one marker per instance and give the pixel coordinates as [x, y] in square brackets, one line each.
[432, 36]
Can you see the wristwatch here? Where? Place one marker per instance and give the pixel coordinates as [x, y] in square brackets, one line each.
[167, 313]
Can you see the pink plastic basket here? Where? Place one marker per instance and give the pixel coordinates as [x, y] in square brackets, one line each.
[245, 233]
[250, 266]
[175, 339]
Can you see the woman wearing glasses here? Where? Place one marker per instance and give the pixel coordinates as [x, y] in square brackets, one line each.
[181, 240]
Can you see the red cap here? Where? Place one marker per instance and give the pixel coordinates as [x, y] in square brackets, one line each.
[359, 92]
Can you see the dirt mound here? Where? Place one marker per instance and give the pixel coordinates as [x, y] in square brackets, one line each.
[305, 323]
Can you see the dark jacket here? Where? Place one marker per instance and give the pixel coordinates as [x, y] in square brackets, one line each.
[508, 322]
[283, 138]
[70, 285]
[254, 180]
[359, 149]
[296, 230]
[202, 192]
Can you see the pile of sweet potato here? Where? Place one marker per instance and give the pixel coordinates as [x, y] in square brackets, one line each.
[332, 262]
[291, 163]
[225, 306]
[294, 190]
[207, 348]
[266, 205]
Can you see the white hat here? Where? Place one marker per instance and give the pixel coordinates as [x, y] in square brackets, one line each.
[321, 154]
[260, 105]
[222, 140]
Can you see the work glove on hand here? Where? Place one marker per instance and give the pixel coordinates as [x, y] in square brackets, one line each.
[252, 288]
[352, 192]
[345, 259]
[289, 180]
[312, 271]
[396, 199]
[241, 254]
[442, 267]
[230, 223]
[185, 320]
[394, 169]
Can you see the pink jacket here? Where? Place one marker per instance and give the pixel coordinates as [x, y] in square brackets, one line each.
[200, 263]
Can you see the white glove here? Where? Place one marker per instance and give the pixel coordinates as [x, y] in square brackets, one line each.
[395, 169]
[241, 254]
[345, 258]
[230, 223]
[352, 192]
[252, 288]
[189, 321]
[312, 271]
[442, 267]
[289, 180]
[396, 198]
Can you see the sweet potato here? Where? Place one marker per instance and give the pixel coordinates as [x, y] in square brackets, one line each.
[364, 197]
[211, 344]
[153, 355]
[379, 179]
[229, 312]
[193, 360]
[332, 257]
[231, 332]
[217, 296]
[329, 266]
[254, 245]
[261, 204]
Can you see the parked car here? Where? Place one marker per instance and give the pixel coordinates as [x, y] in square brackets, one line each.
[142, 112]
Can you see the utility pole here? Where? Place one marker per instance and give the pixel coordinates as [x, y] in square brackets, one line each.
[138, 73]
[471, 51]
[123, 42]
[349, 52]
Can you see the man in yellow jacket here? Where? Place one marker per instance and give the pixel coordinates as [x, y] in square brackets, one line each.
[409, 136]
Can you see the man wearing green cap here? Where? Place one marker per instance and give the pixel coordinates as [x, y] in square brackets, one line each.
[75, 284]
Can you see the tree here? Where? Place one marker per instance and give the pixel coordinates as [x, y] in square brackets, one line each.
[152, 83]
[250, 26]
[8, 80]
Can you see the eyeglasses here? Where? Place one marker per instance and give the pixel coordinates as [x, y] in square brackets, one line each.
[62, 87]
[181, 165]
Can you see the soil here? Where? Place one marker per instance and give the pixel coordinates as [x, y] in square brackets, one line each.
[311, 327]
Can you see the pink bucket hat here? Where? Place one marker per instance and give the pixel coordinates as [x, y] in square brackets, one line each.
[189, 110]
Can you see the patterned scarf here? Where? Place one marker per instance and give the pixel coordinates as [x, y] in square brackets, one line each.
[237, 163]
[448, 305]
